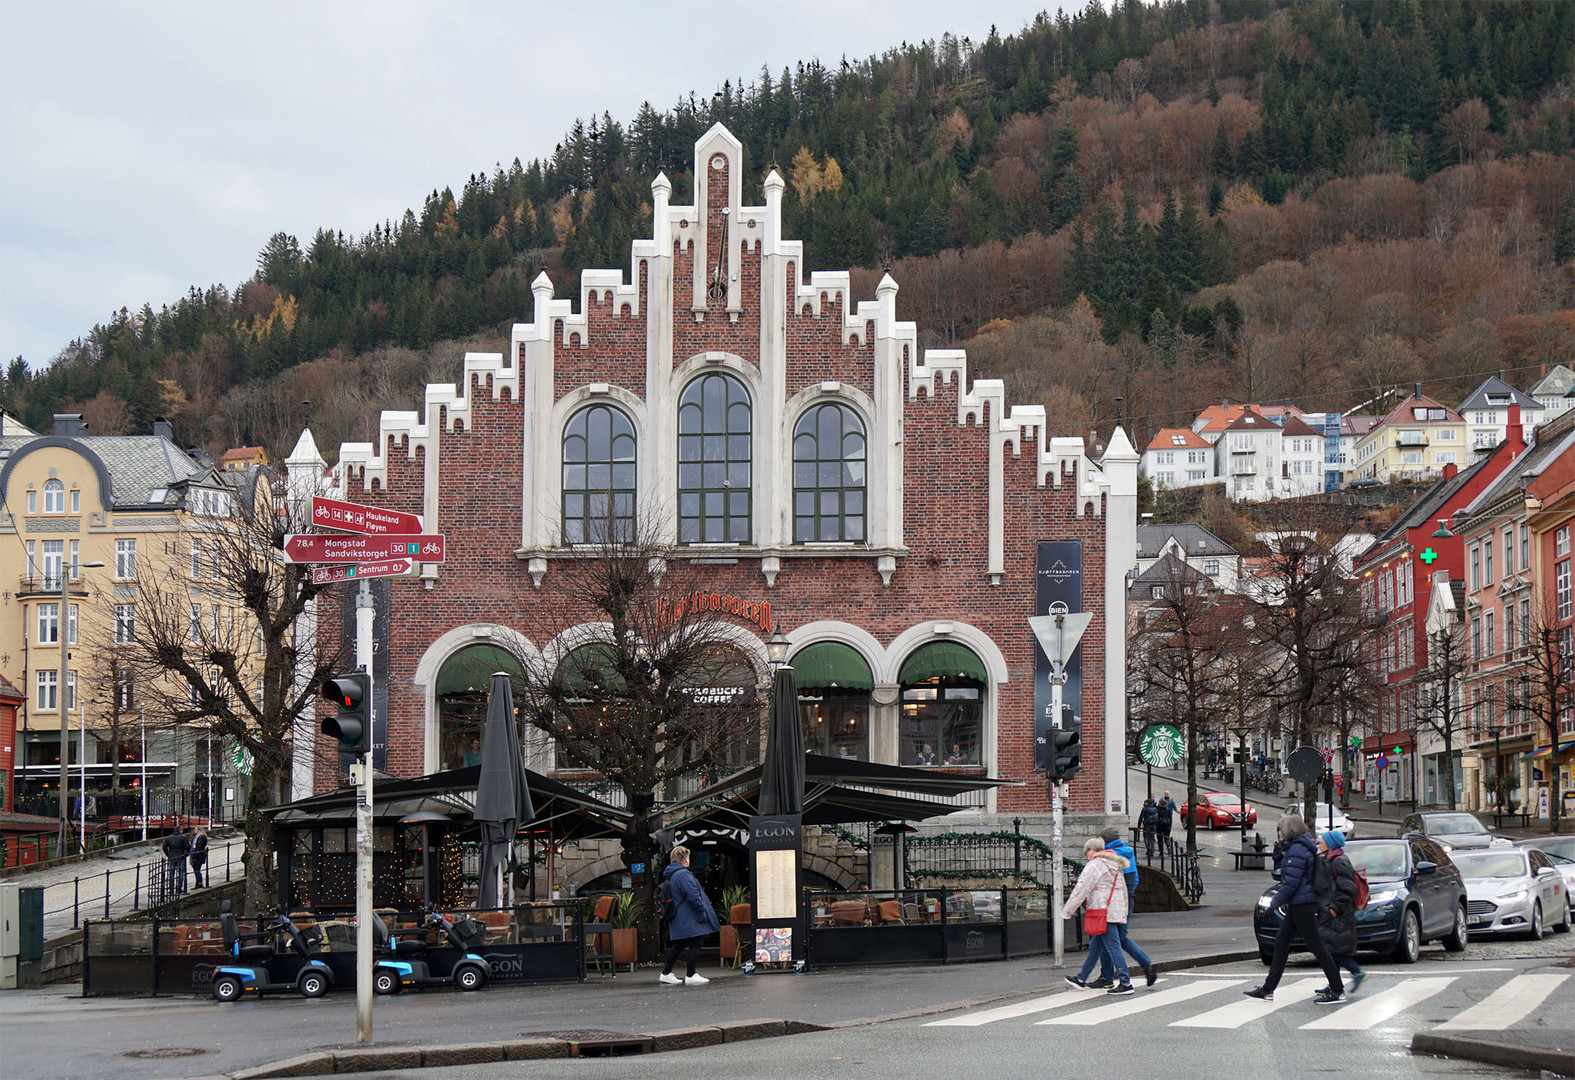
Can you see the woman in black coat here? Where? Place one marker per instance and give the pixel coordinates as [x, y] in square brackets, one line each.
[1337, 924]
[1297, 902]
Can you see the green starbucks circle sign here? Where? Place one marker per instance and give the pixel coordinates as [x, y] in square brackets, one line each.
[1160, 744]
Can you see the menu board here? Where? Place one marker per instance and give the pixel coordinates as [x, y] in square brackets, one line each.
[776, 885]
[774, 945]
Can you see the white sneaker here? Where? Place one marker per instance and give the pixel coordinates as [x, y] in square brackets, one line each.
[695, 980]
[669, 978]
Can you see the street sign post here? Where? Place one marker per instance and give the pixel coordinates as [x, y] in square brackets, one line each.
[338, 548]
[356, 518]
[334, 572]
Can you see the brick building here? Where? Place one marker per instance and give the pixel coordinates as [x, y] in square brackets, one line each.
[901, 523]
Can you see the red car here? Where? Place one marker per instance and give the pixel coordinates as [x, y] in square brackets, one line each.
[1220, 810]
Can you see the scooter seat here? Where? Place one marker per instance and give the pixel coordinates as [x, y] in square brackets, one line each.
[255, 952]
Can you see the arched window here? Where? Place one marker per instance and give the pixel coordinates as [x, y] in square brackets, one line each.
[461, 692]
[943, 688]
[598, 476]
[54, 497]
[828, 475]
[714, 424]
[834, 685]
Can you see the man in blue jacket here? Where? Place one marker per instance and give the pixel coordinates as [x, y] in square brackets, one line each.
[693, 918]
[1114, 842]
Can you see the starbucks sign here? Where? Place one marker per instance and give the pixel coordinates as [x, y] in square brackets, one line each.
[1160, 744]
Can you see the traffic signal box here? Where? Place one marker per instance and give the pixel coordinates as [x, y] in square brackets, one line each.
[352, 693]
[1068, 758]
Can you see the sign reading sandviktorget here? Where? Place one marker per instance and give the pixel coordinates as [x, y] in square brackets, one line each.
[1160, 745]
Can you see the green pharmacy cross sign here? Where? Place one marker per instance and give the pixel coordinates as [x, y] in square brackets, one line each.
[1160, 744]
[1429, 556]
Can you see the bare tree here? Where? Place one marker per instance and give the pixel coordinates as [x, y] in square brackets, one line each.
[1552, 693]
[1312, 613]
[1439, 704]
[217, 615]
[656, 689]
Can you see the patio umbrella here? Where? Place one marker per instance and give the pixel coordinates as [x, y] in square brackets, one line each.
[782, 776]
[503, 800]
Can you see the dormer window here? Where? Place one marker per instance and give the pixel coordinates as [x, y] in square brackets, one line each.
[1178, 440]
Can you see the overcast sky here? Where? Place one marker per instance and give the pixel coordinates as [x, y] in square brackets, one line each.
[149, 147]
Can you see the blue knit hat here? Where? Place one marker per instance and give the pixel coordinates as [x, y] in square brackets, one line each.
[1334, 838]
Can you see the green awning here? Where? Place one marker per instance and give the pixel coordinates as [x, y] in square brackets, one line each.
[942, 659]
[469, 671]
[591, 663]
[831, 663]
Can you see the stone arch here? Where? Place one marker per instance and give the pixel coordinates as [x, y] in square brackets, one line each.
[424, 681]
[831, 870]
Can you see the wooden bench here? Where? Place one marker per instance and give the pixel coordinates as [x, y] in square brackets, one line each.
[1251, 860]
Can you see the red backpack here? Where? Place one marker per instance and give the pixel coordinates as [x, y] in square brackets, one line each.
[1362, 891]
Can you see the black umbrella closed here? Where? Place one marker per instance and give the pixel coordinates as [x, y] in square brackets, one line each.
[503, 801]
[782, 775]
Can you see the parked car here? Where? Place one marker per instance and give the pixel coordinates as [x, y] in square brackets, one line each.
[1416, 895]
[1454, 829]
[1560, 851]
[1512, 891]
[1219, 810]
[1320, 821]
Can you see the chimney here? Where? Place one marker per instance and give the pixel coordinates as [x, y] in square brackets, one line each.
[1450, 470]
[70, 424]
[163, 429]
[1515, 434]
[1416, 390]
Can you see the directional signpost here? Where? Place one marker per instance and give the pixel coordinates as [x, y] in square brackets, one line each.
[381, 543]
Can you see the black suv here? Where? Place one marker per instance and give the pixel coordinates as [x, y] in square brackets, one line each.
[1416, 895]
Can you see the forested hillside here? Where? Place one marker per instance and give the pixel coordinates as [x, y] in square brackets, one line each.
[1178, 203]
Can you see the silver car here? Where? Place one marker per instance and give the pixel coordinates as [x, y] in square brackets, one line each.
[1560, 851]
[1320, 821]
[1512, 890]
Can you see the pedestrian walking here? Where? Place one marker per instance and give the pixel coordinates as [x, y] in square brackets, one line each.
[176, 847]
[1163, 809]
[1297, 902]
[1100, 892]
[1337, 920]
[1148, 821]
[692, 918]
[199, 858]
[1114, 842]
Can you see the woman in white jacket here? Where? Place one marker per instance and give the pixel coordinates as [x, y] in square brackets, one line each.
[1098, 887]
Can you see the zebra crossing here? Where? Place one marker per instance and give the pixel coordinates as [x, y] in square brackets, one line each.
[1214, 1002]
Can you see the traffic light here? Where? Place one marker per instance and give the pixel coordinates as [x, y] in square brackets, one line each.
[353, 726]
[1068, 751]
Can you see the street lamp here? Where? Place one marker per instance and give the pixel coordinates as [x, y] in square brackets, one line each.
[64, 631]
[777, 646]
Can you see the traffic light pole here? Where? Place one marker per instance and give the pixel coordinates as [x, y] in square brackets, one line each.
[1057, 873]
[363, 828]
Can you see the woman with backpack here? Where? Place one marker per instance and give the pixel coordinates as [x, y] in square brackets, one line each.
[1297, 902]
[1148, 821]
[690, 918]
[1337, 920]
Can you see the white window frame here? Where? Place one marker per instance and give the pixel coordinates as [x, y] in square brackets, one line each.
[125, 624]
[54, 497]
[126, 559]
[48, 683]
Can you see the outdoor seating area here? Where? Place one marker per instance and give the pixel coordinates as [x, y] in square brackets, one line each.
[929, 925]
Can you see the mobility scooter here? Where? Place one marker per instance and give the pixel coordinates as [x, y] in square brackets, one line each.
[410, 962]
[263, 966]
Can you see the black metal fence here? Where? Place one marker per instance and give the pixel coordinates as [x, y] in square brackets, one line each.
[983, 855]
[137, 887]
[112, 809]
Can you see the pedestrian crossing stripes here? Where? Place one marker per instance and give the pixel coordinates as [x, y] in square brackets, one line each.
[1510, 1003]
[1506, 1006]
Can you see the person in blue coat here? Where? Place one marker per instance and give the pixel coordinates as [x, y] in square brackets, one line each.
[1297, 901]
[692, 920]
[1114, 842]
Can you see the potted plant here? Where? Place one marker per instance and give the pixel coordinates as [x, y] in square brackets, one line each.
[625, 919]
[727, 938]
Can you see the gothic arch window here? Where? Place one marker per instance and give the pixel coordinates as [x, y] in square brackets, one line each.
[828, 475]
[598, 476]
[715, 421]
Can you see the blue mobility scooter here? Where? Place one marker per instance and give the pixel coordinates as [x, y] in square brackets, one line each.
[409, 961]
[261, 965]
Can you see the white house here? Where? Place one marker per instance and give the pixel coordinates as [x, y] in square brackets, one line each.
[1486, 412]
[1301, 460]
[1192, 544]
[1249, 456]
[1178, 458]
[1555, 391]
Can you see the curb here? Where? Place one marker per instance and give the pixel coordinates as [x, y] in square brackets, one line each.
[1494, 1053]
[363, 1059]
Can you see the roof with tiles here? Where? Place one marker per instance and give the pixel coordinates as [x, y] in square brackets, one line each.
[1178, 439]
[1495, 393]
[1194, 539]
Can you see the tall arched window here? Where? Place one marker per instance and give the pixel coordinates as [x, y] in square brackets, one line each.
[828, 475]
[943, 696]
[54, 497]
[598, 476]
[461, 693]
[714, 424]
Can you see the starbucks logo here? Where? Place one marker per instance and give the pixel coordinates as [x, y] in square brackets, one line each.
[1161, 745]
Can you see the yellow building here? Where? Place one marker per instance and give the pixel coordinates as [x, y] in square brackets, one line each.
[101, 512]
[1419, 440]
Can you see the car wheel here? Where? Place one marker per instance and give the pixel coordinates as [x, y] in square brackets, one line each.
[314, 984]
[1534, 931]
[1563, 925]
[385, 982]
[1266, 955]
[227, 988]
[1409, 947]
[1456, 940]
[470, 978]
